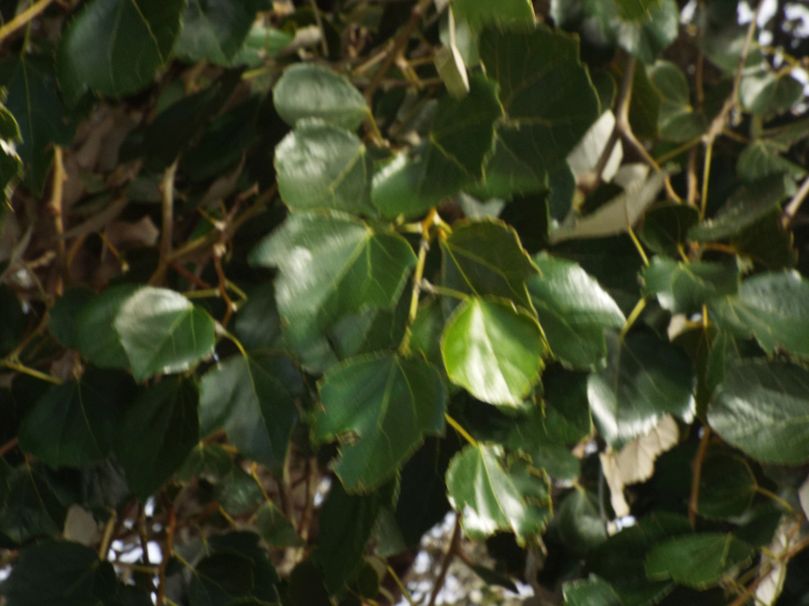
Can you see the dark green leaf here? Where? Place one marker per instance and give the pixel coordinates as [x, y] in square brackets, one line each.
[480, 13]
[760, 408]
[684, 287]
[114, 47]
[314, 91]
[33, 100]
[645, 378]
[254, 400]
[579, 524]
[574, 311]
[539, 128]
[96, 337]
[63, 573]
[451, 158]
[62, 319]
[387, 404]
[74, 424]
[213, 30]
[493, 351]
[678, 122]
[486, 258]
[275, 528]
[665, 227]
[727, 486]
[163, 332]
[592, 591]
[696, 560]
[330, 265]
[13, 320]
[766, 92]
[762, 159]
[30, 508]
[749, 204]
[772, 307]
[323, 166]
[157, 432]
[490, 498]
[645, 27]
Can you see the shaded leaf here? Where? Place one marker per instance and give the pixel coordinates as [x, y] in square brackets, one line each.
[387, 404]
[213, 30]
[760, 408]
[665, 227]
[254, 400]
[323, 166]
[493, 351]
[114, 47]
[591, 591]
[645, 379]
[96, 338]
[696, 560]
[727, 486]
[156, 434]
[480, 13]
[306, 90]
[574, 311]
[683, 287]
[579, 524]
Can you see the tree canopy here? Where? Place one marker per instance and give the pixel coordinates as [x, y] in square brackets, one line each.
[287, 286]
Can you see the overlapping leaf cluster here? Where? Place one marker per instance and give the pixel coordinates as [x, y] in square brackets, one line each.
[549, 281]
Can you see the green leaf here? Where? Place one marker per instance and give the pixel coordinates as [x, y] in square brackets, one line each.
[574, 311]
[115, 47]
[157, 432]
[29, 507]
[645, 28]
[11, 330]
[306, 90]
[727, 486]
[746, 206]
[683, 287]
[579, 524]
[486, 258]
[766, 92]
[480, 13]
[451, 157]
[323, 166]
[254, 400]
[591, 591]
[60, 572]
[696, 560]
[214, 30]
[163, 332]
[772, 307]
[275, 528]
[490, 498]
[387, 404]
[760, 408]
[96, 337]
[762, 159]
[539, 128]
[331, 265]
[645, 378]
[493, 351]
[42, 119]
[74, 424]
[677, 122]
[665, 227]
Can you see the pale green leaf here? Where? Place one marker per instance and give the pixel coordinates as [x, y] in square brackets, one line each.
[493, 351]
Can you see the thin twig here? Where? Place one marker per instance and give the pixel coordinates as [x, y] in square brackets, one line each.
[56, 209]
[399, 44]
[168, 549]
[167, 223]
[792, 208]
[696, 475]
[454, 542]
[106, 539]
[720, 120]
[9, 446]
[418, 275]
[23, 18]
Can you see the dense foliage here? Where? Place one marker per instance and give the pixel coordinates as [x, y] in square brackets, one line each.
[283, 284]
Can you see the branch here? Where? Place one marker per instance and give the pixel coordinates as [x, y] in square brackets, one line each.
[792, 208]
[168, 549]
[56, 209]
[23, 18]
[696, 475]
[454, 542]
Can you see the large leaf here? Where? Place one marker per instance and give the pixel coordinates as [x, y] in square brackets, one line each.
[493, 351]
[772, 307]
[761, 409]
[157, 432]
[592, 591]
[323, 166]
[548, 100]
[33, 100]
[60, 572]
[696, 560]
[480, 13]
[114, 47]
[683, 287]
[306, 90]
[74, 424]
[163, 332]
[387, 404]
[574, 311]
[95, 336]
[727, 485]
[213, 30]
[645, 27]
[486, 258]
[330, 265]
[451, 157]
[254, 400]
[490, 498]
[645, 379]
[746, 206]
[677, 122]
